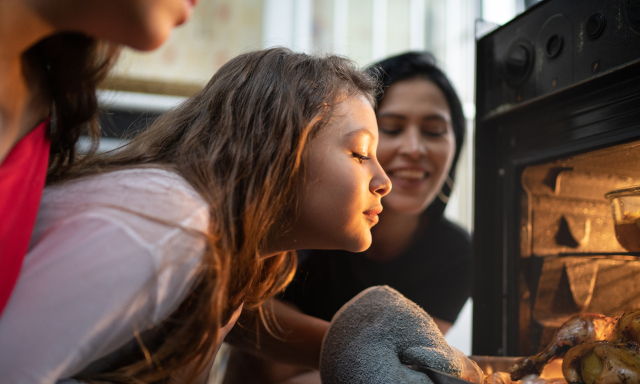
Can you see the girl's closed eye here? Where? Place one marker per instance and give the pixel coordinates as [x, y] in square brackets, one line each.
[361, 158]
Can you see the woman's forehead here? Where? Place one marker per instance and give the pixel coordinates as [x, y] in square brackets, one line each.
[414, 95]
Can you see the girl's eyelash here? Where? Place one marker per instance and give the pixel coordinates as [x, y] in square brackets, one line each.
[361, 158]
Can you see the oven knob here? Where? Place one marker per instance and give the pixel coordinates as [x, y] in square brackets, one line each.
[633, 14]
[518, 62]
[595, 25]
[554, 46]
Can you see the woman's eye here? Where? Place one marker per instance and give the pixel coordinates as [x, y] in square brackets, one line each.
[390, 130]
[361, 159]
[434, 131]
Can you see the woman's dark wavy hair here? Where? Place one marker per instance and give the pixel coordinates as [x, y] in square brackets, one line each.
[422, 65]
[66, 68]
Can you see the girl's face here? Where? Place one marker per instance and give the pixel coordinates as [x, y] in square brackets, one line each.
[417, 143]
[140, 24]
[344, 183]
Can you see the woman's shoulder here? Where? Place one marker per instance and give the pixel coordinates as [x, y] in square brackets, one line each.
[451, 230]
[443, 237]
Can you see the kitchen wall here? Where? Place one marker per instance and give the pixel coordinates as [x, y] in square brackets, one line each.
[364, 30]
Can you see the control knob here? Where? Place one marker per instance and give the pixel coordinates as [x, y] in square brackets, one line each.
[518, 62]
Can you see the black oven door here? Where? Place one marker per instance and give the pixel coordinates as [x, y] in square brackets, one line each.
[559, 81]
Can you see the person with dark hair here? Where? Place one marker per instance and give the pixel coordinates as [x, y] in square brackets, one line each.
[52, 56]
[143, 260]
[415, 249]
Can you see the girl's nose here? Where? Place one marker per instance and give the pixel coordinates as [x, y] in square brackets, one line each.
[380, 183]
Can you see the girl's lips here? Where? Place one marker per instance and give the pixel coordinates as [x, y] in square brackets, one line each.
[372, 214]
[372, 218]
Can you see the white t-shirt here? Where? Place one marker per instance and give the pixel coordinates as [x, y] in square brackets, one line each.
[110, 254]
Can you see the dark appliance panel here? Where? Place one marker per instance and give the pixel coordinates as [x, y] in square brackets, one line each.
[558, 126]
[553, 45]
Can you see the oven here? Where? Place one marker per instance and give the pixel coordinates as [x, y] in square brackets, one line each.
[557, 129]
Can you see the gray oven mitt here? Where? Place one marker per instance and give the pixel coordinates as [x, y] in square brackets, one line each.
[374, 336]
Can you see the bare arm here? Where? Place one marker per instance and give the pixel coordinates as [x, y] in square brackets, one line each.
[443, 325]
[297, 341]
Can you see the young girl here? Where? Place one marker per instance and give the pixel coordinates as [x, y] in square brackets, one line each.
[141, 261]
[52, 56]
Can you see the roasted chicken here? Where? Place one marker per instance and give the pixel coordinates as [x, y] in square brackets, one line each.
[623, 332]
[575, 331]
[602, 362]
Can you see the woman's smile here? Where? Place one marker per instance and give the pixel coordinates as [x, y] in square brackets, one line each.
[409, 177]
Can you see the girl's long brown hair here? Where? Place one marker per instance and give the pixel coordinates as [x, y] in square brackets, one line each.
[66, 68]
[240, 143]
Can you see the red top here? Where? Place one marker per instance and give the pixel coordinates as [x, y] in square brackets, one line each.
[22, 177]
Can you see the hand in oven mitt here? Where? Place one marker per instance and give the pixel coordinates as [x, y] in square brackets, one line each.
[376, 334]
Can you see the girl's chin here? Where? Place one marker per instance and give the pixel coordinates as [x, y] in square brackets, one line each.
[360, 244]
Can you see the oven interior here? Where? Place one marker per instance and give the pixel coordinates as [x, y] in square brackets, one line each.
[571, 260]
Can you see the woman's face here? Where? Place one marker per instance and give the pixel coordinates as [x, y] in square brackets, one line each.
[344, 183]
[140, 24]
[417, 143]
